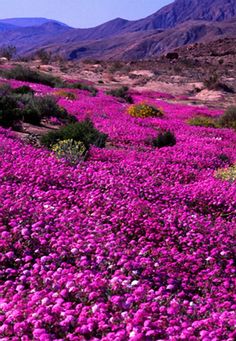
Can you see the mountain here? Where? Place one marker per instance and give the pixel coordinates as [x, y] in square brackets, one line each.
[177, 24]
[30, 39]
[184, 10]
[146, 44]
[29, 22]
[6, 27]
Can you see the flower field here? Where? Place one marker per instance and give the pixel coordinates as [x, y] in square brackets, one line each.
[135, 243]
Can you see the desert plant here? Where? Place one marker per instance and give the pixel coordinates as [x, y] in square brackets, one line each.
[72, 151]
[30, 113]
[122, 93]
[228, 174]
[228, 119]
[65, 94]
[224, 158]
[83, 131]
[213, 83]
[203, 121]
[81, 86]
[144, 110]
[8, 51]
[164, 139]
[21, 105]
[22, 90]
[22, 73]
[48, 107]
[10, 115]
[5, 89]
[45, 56]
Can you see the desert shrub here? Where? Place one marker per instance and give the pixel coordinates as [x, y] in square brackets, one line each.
[213, 83]
[81, 86]
[30, 111]
[5, 89]
[228, 174]
[10, 114]
[22, 90]
[83, 131]
[115, 66]
[121, 92]
[228, 119]
[8, 51]
[224, 158]
[22, 73]
[17, 107]
[45, 56]
[48, 107]
[72, 151]
[23, 106]
[144, 110]
[203, 121]
[65, 94]
[164, 139]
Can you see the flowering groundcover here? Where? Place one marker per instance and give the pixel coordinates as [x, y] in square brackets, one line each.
[135, 243]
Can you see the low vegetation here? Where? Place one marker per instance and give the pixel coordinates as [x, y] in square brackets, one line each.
[80, 86]
[143, 110]
[23, 73]
[122, 93]
[70, 150]
[227, 120]
[228, 174]
[83, 131]
[203, 121]
[213, 82]
[164, 139]
[65, 94]
[20, 105]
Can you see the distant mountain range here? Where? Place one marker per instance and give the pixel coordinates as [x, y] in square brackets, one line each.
[27, 22]
[180, 23]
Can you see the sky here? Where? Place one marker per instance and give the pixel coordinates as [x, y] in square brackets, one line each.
[80, 13]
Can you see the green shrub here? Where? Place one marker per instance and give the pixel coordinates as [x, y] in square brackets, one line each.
[22, 105]
[81, 86]
[203, 121]
[224, 158]
[22, 73]
[22, 90]
[83, 131]
[48, 107]
[164, 139]
[228, 119]
[31, 113]
[72, 151]
[122, 93]
[143, 110]
[5, 89]
[10, 115]
[228, 174]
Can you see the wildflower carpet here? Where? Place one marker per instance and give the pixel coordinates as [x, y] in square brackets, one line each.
[135, 243]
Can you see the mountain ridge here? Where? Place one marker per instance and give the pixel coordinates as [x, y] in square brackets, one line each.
[29, 21]
[177, 24]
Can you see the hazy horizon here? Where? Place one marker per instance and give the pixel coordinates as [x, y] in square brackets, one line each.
[81, 13]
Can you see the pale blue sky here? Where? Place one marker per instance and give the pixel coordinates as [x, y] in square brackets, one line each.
[80, 13]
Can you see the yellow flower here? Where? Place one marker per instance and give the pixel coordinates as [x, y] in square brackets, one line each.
[143, 110]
